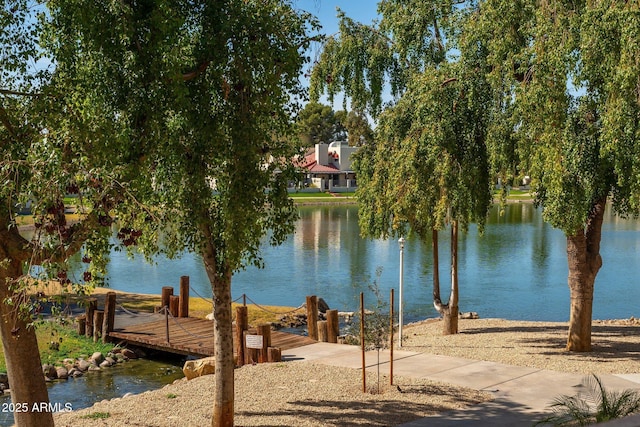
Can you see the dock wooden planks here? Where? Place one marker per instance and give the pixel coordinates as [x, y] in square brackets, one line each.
[190, 336]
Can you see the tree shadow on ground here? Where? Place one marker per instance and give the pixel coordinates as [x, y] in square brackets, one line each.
[395, 412]
[606, 340]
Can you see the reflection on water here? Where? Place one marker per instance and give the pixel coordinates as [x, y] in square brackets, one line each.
[517, 269]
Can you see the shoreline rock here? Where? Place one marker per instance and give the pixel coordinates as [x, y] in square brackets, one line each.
[73, 368]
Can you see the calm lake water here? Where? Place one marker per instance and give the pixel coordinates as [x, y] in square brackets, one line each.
[135, 376]
[517, 269]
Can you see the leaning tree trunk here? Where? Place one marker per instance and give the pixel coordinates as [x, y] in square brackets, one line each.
[223, 403]
[22, 357]
[584, 260]
[448, 311]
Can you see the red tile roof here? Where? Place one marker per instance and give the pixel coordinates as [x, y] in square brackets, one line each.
[316, 168]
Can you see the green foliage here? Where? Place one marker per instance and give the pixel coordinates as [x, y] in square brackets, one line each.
[357, 125]
[40, 165]
[595, 406]
[191, 102]
[196, 105]
[429, 162]
[564, 101]
[317, 123]
[68, 344]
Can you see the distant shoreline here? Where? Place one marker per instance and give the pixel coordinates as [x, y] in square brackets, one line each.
[24, 222]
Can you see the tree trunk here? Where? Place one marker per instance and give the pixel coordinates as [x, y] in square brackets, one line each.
[448, 311]
[223, 409]
[437, 301]
[223, 403]
[451, 315]
[22, 357]
[584, 261]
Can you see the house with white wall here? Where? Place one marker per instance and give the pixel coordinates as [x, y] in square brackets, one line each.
[328, 167]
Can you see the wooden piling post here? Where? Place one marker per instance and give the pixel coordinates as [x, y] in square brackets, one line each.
[264, 329]
[274, 354]
[322, 331]
[82, 324]
[250, 354]
[333, 326]
[242, 324]
[174, 305]
[167, 291]
[312, 316]
[92, 306]
[109, 315]
[98, 319]
[184, 297]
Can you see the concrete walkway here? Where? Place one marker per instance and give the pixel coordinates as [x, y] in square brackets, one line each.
[521, 395]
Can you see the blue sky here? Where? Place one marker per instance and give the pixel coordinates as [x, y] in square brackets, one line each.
[364, 11]
[325, 10]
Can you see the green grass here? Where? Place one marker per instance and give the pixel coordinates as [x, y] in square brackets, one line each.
[69, 343]
[324, 196]
[515, 194]
[309, 195]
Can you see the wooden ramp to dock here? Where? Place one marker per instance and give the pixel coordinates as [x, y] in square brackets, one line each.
[189, 336]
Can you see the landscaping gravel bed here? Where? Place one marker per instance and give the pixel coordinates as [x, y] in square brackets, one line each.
[307, 394]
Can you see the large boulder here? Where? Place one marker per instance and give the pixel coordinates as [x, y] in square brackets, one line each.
[83, 365]
[49, 371]
[97, 358]
[75, 372]
[4, 378]
[62, 373]
[197, 368]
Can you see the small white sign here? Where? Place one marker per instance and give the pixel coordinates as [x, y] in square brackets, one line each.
[254, 341]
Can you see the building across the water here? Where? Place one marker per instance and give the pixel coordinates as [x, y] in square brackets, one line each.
[328, 167]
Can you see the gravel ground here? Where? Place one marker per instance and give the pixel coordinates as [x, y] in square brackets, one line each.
[307, 394]
[615, 344]
[282, 394]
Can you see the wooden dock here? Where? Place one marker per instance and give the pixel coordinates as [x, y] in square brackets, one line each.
[189, 336]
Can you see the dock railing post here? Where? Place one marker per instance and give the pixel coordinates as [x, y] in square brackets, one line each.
[183, 310]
